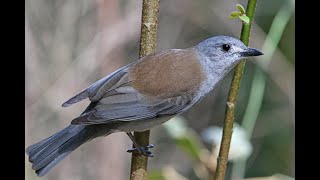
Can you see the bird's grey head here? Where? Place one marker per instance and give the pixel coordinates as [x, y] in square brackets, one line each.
[225, 50]
[218, 55]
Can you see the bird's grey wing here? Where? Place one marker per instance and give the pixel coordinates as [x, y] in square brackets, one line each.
[95, 91]
[126, 104]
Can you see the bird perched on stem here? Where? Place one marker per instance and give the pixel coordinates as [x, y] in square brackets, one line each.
[141, 95]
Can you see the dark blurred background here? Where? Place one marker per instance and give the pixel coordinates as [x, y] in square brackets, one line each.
[72, 43]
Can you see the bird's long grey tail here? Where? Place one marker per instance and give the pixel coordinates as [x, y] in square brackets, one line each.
[45, 154]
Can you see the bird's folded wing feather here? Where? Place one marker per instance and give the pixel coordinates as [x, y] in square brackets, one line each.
[126, 104]
[95, 91]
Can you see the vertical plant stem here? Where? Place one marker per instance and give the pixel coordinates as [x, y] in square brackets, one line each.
[259, 80]
[233, 94]
[150, 10]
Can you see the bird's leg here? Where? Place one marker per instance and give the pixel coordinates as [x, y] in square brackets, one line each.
[141, 149]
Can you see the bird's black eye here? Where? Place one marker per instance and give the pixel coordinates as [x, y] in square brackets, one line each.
[226, 47]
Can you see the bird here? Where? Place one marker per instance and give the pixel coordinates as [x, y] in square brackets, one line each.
[145, 93]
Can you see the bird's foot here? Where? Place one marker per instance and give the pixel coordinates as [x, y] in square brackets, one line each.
[144, 150]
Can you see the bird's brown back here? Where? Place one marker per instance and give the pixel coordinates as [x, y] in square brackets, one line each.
[168, 73]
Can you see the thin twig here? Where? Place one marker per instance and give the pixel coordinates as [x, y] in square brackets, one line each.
[150, 10]
[232, 98]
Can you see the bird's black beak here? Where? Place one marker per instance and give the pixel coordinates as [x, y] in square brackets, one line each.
[251, 52]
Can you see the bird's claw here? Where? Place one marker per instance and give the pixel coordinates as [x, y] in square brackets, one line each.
[144, 150]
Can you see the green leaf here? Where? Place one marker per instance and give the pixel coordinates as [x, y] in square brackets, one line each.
[241, 9]
[234, 15]
[245, 19]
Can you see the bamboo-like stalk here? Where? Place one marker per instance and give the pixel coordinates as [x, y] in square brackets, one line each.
[232, 98]
[150, 10]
